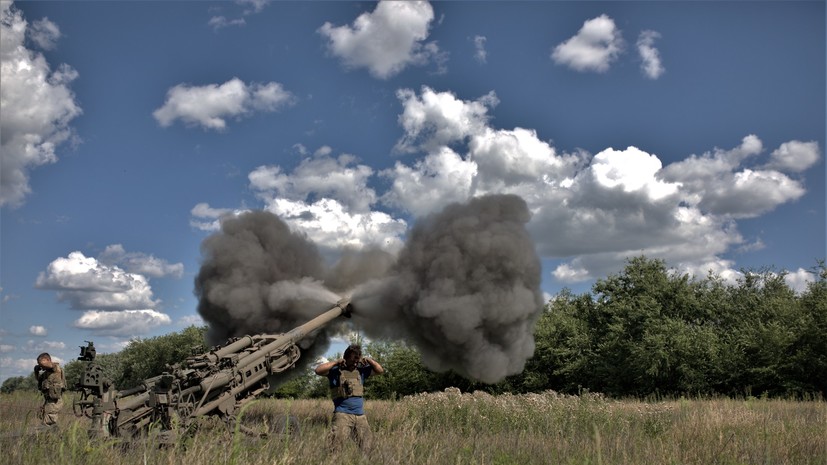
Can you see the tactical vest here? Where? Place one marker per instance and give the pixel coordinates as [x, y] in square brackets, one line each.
[349, 384]
[52, 383]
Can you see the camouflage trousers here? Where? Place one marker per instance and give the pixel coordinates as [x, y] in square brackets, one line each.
[348, 426]
[49, 411]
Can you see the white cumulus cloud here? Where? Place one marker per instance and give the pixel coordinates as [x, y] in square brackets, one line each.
[431, 183]
[37, 330]
[510, 158]
[592, 211]
[649, 55]
[207, 218]
[38, 104]
[211, 105]
[386, 40]
[328, 198]
[434, 119]
[140, 263]
[19, 366]
[631, 170]
[341, 178]
[718, 183]
[124, 323]
[44, 33]
[597, 44]
[331, 225]
[87, 283]
[794, 156]
[44, 346]
[325, 197]
[570, 273]
[799, 279]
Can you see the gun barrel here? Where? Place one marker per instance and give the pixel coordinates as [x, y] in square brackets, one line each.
[343, 307]
[236, 346]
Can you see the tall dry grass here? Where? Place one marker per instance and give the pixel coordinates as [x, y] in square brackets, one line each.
[454, 428]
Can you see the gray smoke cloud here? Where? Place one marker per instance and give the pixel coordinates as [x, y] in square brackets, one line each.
[465, 289]
[356, 267]
[257, 276]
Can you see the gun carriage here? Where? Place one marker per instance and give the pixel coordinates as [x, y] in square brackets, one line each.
[213, 383]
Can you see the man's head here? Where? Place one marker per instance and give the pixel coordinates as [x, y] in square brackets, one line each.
[353, 354]
[45, 360]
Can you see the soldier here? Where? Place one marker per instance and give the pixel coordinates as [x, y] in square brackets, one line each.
[51, 382]
[347, 377]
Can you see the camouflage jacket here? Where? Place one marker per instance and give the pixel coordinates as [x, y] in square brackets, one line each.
[51, 382]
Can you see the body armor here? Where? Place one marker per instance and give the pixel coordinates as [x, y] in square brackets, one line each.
[349, 384]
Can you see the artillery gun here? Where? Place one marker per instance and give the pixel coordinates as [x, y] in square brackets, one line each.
[213, 383]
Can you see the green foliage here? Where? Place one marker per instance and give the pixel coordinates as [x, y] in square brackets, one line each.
[649, 330]
[145, 358]
[563, 352]
[404, 372]
[808, 360]
[19, 383]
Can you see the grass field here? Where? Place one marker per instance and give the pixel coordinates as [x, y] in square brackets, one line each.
[454, 428]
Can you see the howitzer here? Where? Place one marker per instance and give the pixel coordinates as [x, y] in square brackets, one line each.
[217, 382]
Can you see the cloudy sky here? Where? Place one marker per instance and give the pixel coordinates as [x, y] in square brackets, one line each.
[692, 132]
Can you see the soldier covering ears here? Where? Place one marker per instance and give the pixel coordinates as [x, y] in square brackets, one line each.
[346, 378]
[52, 383]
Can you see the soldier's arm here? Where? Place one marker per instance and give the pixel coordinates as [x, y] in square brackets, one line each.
[377, 368]
[324, 368]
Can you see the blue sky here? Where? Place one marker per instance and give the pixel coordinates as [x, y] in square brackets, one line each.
[688, 131]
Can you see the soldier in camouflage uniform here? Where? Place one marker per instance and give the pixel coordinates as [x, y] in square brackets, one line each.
[51, 382]
[346, 378]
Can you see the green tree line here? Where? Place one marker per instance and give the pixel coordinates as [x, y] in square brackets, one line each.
[647, 330]
[650, 330]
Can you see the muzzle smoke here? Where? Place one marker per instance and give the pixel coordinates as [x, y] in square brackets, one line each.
[465, 289]
[256, 277]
